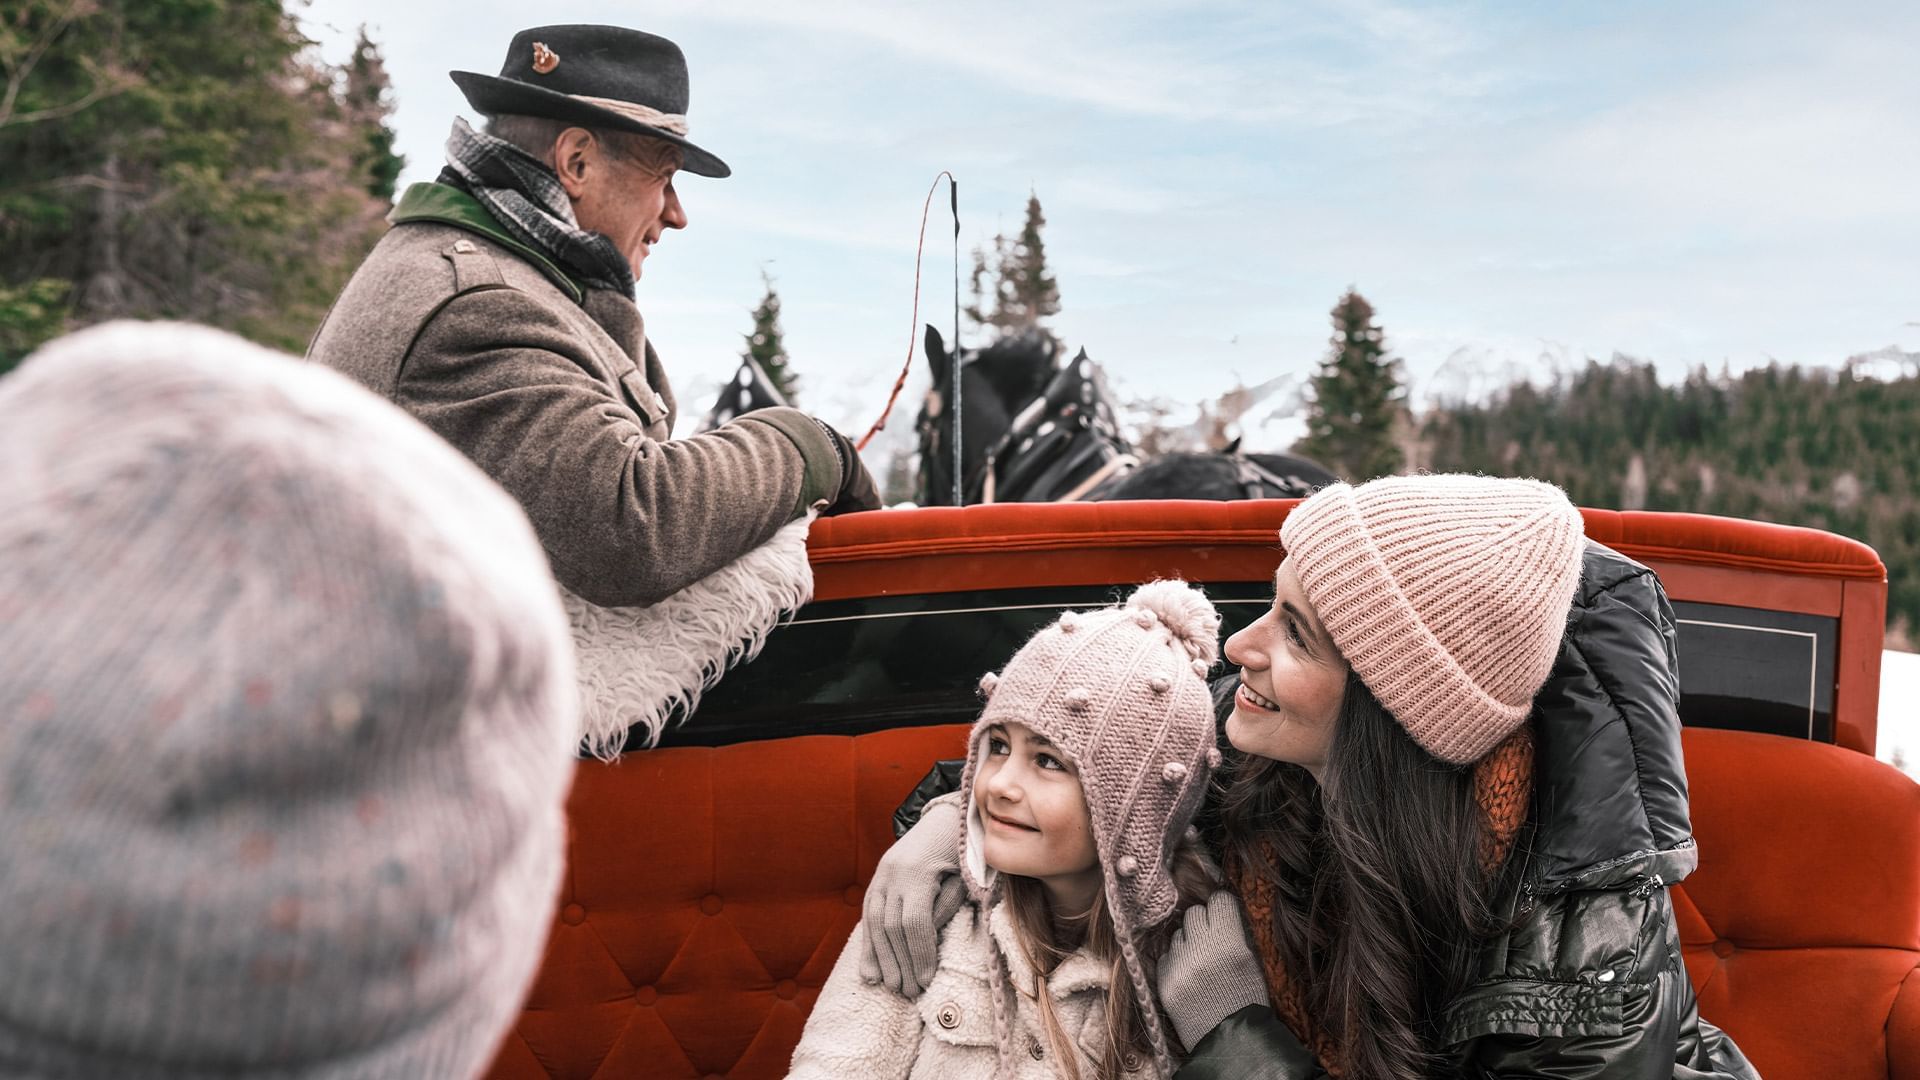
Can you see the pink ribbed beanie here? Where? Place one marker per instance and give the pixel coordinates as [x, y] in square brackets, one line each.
[1122, 694]
[1447, 594]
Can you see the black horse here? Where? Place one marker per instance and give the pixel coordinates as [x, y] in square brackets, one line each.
[1034, 433]
[749, 389]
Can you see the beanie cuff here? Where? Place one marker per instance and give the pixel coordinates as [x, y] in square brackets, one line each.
[1383, 638]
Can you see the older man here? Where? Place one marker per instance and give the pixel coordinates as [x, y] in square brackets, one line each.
[499, 310]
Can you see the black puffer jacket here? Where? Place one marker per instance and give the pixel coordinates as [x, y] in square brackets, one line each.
[1589, 983]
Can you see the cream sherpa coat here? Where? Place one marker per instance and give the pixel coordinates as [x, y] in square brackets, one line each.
[863, 1032]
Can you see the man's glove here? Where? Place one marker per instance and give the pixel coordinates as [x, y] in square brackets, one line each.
[857, 491]
[915, 890]
[1209, 972]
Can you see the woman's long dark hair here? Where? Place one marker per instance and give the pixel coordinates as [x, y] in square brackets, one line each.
[1379, 896]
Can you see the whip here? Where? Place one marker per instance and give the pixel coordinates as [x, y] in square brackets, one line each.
[899, 384]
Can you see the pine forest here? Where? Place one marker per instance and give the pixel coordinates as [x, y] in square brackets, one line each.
[196, 160]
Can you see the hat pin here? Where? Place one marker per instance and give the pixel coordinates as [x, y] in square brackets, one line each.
[544, 59]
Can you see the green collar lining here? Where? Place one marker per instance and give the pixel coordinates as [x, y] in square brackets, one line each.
[451, 206]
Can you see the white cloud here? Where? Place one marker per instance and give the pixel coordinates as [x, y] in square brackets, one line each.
[1689, 185]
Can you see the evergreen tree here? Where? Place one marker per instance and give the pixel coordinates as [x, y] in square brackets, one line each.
[1833, 450]
[903, 478]
[765, 347]
[1356, 398]
[1029, 293]
[978, 312]
[1025, 293]
[187, 159]
[368, 99]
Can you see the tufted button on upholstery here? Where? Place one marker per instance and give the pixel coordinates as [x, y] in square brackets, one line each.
[711, 904]
[573, 914]
[1723, 948]
[949, 1016]
[612, 988]
[786, 988]
[1034, 1051]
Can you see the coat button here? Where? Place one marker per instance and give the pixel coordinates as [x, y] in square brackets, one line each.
[948, 1016]
[1131, 1062]
[1034, 1051]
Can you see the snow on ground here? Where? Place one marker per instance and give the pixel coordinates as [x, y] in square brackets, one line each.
[1899, 740]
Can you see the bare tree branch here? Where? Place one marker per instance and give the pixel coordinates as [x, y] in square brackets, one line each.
[104, 82]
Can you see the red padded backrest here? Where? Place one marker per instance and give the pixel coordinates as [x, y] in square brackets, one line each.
[708, 893]
[710, 890]
[1802, 924]
[1708, 560]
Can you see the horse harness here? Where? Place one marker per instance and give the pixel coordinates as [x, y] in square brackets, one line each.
[1258, 482]
[1063, 447]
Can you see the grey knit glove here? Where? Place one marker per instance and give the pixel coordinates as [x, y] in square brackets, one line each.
[1209, 972]
[915, 890]
[857, 490]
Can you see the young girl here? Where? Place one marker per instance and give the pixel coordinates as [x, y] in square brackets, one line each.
[1457, 806]
[1087, 764]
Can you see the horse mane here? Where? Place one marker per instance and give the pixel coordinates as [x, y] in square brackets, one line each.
[1018, 368]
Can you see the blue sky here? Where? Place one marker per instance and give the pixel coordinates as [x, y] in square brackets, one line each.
[1513, 186]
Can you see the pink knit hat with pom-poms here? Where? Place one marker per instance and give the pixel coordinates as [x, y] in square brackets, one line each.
[1122, 694]
[1448, 595]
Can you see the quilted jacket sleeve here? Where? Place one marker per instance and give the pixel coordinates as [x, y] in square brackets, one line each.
[857, 1031]
[1643, 1045]
[1252, 1044]
[1611, 779]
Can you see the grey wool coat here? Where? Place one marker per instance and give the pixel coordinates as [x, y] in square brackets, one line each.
[554, 390]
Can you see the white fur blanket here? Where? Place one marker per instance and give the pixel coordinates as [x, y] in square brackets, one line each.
[638, 665]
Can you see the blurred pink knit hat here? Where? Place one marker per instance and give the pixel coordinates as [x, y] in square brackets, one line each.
[1447, 594]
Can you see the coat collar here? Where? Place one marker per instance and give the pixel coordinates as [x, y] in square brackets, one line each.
[1610, 785]
[1080, 971]
[449, 205]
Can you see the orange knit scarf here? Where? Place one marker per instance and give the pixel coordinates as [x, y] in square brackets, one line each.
[1502, 786]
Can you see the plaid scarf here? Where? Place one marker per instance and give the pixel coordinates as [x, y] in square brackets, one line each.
[526, 198]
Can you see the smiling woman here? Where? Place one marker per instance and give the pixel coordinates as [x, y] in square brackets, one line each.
[1389, 769]
[1292, 680]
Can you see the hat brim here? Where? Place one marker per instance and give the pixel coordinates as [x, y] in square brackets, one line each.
[495, 96]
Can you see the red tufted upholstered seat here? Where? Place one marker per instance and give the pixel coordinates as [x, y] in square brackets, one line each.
[708, 893]
[709, 890]
[1801, 929]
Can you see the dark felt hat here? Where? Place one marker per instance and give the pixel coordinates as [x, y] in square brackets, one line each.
[550, 70]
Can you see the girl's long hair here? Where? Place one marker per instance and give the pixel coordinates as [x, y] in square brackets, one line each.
[1380, 898]
[1049, 936]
